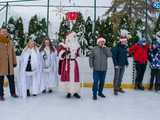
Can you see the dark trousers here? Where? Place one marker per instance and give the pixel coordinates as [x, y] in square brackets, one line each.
[140, 70]
[98, 81]
[155, 76]
[11, 84]
[118, 75]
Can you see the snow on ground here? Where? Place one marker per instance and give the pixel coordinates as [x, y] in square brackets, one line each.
[133, 105]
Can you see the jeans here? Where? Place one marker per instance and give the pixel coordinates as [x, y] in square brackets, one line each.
[98, 81]
[118, 75]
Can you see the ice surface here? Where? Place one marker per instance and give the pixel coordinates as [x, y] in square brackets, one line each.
[133, 105]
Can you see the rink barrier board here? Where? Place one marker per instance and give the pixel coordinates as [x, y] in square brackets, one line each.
[110, 85]
[107, 85]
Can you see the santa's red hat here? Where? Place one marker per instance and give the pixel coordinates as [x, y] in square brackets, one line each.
[100, 39]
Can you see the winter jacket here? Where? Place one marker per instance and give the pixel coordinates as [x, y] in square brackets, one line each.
[7, 56]
[140, 53]
[154, 57]
[98, 58]
[119, 55]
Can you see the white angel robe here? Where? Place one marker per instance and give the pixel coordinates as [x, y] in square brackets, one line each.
[29, 80]
[49, 74]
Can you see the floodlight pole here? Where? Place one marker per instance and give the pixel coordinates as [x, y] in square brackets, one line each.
[48, 2]
[146, 18]
[94, 22]
[6, 19]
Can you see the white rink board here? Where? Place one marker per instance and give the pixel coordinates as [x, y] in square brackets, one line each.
[86, 72]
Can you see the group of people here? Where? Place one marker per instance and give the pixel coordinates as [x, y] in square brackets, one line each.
[142, 53]
[38, 68]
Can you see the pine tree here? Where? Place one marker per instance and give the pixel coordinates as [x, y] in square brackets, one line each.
[79, 28]
[63, 30]
[157, 25]
[97, 29]
[88, 33]
[106, 30]
[11, 27]
[19, 36]
[37, 29]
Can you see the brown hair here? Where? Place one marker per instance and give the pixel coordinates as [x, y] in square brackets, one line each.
[50, 45]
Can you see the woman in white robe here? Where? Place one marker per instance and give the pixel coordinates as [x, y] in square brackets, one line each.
[29, 70]
[49, 74]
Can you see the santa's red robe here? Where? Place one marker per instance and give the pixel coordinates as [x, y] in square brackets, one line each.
[69, 71]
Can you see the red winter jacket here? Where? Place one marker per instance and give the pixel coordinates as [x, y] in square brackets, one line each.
[140, 53]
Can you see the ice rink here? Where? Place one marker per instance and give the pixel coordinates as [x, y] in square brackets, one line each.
[133, 105]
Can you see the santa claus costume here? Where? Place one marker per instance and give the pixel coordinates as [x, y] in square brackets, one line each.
[29, 70]
[69, 71]
[49, 66]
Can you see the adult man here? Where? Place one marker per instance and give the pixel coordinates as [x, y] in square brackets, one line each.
[98, 61]
[7, 63]
[69, 71]
[120, 60]
[140, 51]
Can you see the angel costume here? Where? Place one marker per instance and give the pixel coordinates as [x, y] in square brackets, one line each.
[49, 70]
[29, 72]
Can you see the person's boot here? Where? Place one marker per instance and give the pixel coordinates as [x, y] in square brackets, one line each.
[156, 87]
[101, 95]
[115, 92]
[34, 95]
[68, 95]
[50, 91]
[150, 87]
[140, 87]
[14, 95]
[121, 90]
[76, 95]
[136, 86]
[2, 98]
[94, 97]
[44, 91]
[28, 93]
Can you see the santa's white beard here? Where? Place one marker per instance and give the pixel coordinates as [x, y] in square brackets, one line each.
[73, 43]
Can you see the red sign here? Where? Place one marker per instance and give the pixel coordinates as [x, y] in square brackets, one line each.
[71, 16]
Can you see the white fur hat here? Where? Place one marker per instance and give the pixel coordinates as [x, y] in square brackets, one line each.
[124, 32]
[100, 39]
[62, 44]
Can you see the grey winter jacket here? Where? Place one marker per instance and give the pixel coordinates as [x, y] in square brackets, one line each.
[98, 58]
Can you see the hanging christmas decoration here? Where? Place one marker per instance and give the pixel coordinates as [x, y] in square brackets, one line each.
[72, 16]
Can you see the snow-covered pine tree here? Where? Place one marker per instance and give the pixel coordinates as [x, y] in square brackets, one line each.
[97, 30]
[11, 27]
[79, 28]
[106, 31]
[88, 33]
[157, 25]
[19, 36]
[37, 29]
[63, 30]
